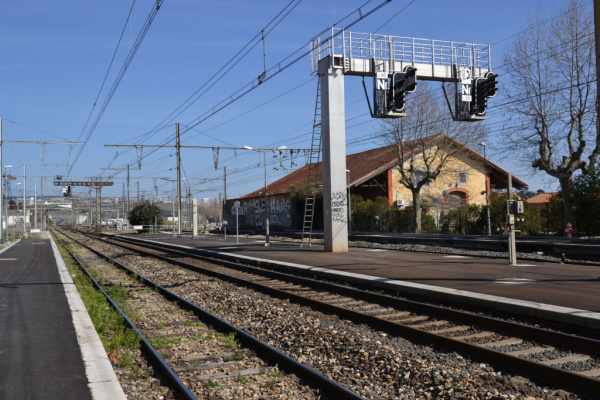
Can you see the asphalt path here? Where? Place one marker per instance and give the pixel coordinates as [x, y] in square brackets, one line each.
[40, 357]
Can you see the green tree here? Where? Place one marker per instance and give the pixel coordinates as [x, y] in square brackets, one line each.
[529, 225]
[427, 143]
[368, 215]
[145, 213]
[551, 88]
[586, 197]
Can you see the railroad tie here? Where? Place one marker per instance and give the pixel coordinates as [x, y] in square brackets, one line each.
[432, 323]
[226, 375]
[452, 329]
[562, 360]
[224, 356]
[416, 318]
[591, 372]
[200, 367]
[505, 342]
[474, 336]
[395, 315]
[531, 350]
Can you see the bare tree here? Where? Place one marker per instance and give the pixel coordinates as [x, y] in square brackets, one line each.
[551, 84]
[427, 140]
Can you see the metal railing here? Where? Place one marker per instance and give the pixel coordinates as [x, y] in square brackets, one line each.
[396, 49]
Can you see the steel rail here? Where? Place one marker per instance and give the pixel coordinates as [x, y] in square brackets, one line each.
[171, 375]
[551, 375]
[284, 361]
[551, 337]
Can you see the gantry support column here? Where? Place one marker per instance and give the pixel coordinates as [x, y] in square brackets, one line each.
[333, 131]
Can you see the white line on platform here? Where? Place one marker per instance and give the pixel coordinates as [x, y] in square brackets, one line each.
[8, 259]
[456, 256]
[515, 281]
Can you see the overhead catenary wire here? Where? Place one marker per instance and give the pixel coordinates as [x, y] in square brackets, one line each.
[491, 107]
[281, 69]
[117, 81]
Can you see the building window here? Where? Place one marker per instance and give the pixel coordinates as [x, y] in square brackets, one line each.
[462, 177]
[418, 176]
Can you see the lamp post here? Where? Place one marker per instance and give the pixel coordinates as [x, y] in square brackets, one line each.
[18, 211]
[487, 194]
[5, 199]
[267, 216]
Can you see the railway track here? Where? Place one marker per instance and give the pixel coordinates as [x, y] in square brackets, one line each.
[201, 355]
[563, 360]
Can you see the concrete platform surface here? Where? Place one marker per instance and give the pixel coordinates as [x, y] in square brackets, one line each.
[43, 322]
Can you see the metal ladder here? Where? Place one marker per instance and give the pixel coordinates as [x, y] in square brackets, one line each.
[313, 171]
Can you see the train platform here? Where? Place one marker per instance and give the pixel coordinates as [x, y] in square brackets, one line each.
[49, 348]
[552, 291]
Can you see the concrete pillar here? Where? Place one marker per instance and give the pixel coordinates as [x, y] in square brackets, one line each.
[333, 131]
[195, 218]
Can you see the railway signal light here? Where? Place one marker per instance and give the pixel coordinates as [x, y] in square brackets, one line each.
[484, 88]
[402, 83]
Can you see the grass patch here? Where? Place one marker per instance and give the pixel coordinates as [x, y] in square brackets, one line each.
[211, 384]
[231, 340]
[162, 343]
[118, 340]
[270, 383]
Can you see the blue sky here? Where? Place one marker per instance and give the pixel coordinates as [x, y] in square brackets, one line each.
[54, 56]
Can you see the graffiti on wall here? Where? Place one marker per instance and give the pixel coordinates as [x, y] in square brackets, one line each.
[253, 211]
[338, 206]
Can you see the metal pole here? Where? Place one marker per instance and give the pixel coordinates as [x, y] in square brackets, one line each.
[125, 216]
[173, 202]
[6, 209]
[597, 36]
[177, 145]
[512, 248]
[224, 197]
[42, 219]
[98, 209]
[267, 216]
[90, 211]
[2, 188]
[35, 205]
[72, 211]
[487, 194]
[24, 199]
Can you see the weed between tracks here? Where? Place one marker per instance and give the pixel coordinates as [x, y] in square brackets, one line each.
[118, 340]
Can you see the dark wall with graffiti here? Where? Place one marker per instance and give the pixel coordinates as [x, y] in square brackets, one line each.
[285, 213]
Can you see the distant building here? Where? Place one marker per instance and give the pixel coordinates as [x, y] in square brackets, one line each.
[375, 173]
[541, 202]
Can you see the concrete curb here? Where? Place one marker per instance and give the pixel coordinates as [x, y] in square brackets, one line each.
[102, 380]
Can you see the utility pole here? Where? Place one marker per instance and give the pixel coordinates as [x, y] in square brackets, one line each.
[2, 190]
[125, 216]
[25, 199]
[124, 203]
[178, 147]
[512, 248]
[90, 210]
[35, 205]
[597, 35]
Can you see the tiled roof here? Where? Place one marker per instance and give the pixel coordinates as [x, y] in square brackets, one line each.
[363, 166]
[540, 198]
